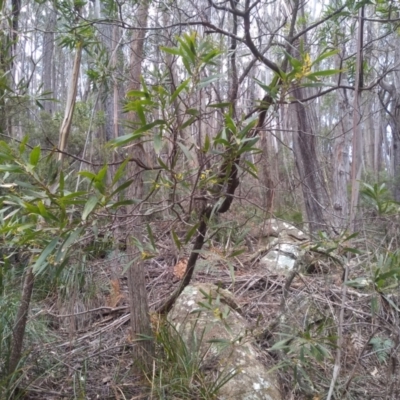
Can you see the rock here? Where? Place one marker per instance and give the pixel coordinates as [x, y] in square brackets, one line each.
[283, 230]
[284, 249]
[282, 257]
[208, 312]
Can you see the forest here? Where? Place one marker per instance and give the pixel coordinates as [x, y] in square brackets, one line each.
[200, 199]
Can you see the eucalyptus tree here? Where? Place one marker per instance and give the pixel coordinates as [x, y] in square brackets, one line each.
[139, 308]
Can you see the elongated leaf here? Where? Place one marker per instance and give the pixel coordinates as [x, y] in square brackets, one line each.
[69, 241]
[191, 232]
[206, 146]
[120, 172]
[237, 252]
[316, 84]
[125, 203]
[176, 240]
[89, 207]
[87, 174]
[162, 164]
[251, 124]
[11, 168]
[171, 50]
[192, 111]
[151, 237]
[210, 79]
[122, 187]
[73, 195]
[188, 122]
[219, 105]
[137, 93]
[325, 55]
[122, 140]
[41, 262]
[179, 89]
[42, 210]
[158, 142]
[186, 151]
[34, 156]
[102, 174]
[326, 72]
[22, 145]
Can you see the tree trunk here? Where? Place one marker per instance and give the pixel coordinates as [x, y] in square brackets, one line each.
[357, 143]
[48, 61]
[70, 106]
[310, 171]
[140, 318]
[20, 321]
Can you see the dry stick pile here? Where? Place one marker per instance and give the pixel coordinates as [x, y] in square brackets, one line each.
[96, 360]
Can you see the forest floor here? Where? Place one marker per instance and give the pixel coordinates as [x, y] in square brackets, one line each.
[83, 348]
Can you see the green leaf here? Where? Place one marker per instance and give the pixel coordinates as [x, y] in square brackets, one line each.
[210, 79]
[151, 237]
[188, 122]
[237, 252]
[11, 168]
[179, 89]
[22, 145]
[282, 344]
[176, 240]
[89, 207]
[34, 156]
[73, 195]
[41, 262]
[42, 210]
[125, 203]
[351, 250]
[325, 55]
[162, 164]
[243, 133]
[122, 140]
[122, 187]
[192, 111]
[219, 105]
[171, 50]
[102, 174]
[206, 146]
[316, 84]
[137, 93]
[89, 175]
[62, 182]
[326, 72]
[395, 272]
[191, 232]
[120, 172]
[69, 241]
[186, 151]
[158, 142]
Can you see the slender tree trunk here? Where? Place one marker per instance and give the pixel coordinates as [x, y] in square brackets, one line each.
[310, 171]
[48, 61]
[341, 164]
[20, 321]
[357, 143]
[140, 318]
[71, 100]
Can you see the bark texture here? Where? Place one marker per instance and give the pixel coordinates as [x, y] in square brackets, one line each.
[140, 318]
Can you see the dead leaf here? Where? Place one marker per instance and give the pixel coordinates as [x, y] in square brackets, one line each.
[374, 372]
[115, 293]
[180, 268]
